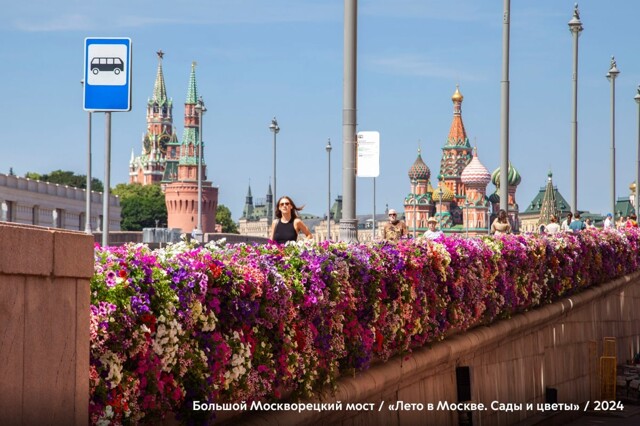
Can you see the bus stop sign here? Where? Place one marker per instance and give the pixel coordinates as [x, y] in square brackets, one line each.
[107, 74]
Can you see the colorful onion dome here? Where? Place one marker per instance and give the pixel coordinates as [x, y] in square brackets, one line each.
[419, 170]
[457, 96]
[513, 178]
[494, 198]
[475, 173]
[447, 194]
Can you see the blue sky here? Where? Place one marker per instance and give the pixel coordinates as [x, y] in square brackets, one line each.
[259, 59]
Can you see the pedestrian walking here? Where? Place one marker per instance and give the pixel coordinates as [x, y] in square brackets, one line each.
[608, 222]
[553, 227]
[394, 229]
[432, 233]
[577, 224]
[632, 222]
[565, 223]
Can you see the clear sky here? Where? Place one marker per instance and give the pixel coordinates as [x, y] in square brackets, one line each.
[258, 59]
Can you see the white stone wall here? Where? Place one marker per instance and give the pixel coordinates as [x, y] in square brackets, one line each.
[32, 202]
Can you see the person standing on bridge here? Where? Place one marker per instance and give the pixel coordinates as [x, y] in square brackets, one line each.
[565, 223]
[288, 225]
[501, 224]
[395, 228]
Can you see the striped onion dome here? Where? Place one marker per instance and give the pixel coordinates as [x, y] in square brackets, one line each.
[513, 178]
[475, 173]
[447, 194]
[419, 170]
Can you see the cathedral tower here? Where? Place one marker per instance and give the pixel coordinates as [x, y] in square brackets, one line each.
[456, 155]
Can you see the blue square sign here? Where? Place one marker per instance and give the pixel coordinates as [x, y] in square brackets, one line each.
[107, 74]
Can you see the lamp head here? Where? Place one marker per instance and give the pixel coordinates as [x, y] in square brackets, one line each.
[613, 71]
[328, 147]
[274, 126]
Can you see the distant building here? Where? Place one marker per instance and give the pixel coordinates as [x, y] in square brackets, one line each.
[256, 217]
[459, 202]
[172, 163]
[547, 202]
[33, 202]
[181, 194]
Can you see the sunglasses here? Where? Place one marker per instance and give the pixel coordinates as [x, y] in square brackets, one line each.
[392, 214]
[285, 204]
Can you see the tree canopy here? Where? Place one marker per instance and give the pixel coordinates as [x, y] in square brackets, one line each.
[66, 177]
[141, 206]
[223, 217]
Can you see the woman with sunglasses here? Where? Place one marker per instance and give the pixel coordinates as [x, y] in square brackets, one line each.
[287, 225]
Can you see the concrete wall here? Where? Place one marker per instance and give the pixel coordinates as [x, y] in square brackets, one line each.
[511, 361]
[44, 325]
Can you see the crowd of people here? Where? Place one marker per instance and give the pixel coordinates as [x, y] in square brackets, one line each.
[288, 224]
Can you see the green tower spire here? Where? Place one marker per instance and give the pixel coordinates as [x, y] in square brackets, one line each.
[159, 89]
[192, 92]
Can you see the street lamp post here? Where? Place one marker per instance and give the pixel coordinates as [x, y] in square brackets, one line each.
[466, 205]
[328, 148]
[611, 76]
[87, 221]
[488, 220]
[440, 217]
[415, 205]
[200, 110]
[637, 200]
[275, 129]
[575, 26]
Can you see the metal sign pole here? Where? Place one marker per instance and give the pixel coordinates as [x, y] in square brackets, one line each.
[107, 176]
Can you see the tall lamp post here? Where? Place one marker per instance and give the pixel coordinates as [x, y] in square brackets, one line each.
[414, 182]
[637, 200]
[611, 76]
[488, 220]
[275, 129]
[440, 217]
[466, 205]
[575, 26]
[87, 219]
[328, 148]
[200, 110]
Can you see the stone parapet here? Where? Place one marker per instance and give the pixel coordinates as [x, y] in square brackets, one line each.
[513, 361]
[44, 336]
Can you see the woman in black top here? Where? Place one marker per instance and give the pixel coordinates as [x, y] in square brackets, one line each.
[287, 225]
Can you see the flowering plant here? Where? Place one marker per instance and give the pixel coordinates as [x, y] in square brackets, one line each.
[188, 325]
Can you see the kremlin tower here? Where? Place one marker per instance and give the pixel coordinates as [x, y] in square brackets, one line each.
[151, 167]
[181, 196]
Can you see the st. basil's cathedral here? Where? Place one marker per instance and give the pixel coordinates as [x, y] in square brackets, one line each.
[459, 202]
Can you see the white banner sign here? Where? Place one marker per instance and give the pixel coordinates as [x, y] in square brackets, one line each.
[368, 162]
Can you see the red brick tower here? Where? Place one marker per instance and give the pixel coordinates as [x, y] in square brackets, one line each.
[181, 196]
[150, 166]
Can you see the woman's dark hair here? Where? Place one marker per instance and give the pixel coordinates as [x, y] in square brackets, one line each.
[502, 216]
[294, 209]
[554, 218]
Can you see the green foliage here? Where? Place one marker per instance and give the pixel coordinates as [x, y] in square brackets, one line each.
[223, 217]
[65, 177]
[141, 206]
